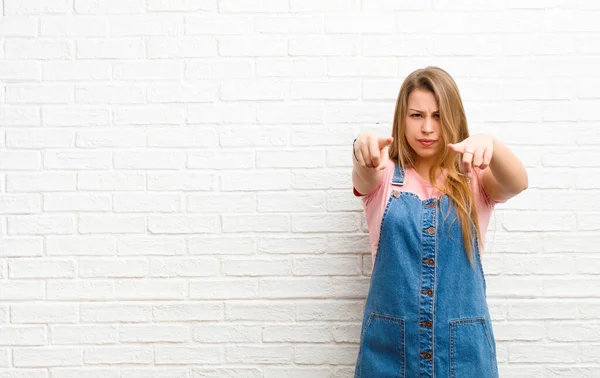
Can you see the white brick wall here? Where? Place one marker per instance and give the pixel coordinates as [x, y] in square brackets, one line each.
[175, 190]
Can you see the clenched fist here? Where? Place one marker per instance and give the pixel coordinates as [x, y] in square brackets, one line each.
[371, 151]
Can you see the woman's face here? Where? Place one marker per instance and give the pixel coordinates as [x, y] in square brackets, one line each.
[423, 125]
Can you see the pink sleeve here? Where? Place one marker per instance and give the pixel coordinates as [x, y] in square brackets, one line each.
[374, 205]
[481, 189]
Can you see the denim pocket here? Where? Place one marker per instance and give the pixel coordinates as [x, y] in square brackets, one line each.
[471, 349]
[382, 345]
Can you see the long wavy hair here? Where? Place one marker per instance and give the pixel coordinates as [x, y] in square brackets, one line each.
[454, 129]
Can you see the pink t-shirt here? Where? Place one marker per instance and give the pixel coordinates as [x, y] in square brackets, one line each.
[374, 203]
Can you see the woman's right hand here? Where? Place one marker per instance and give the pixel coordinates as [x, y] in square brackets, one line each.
[371, 150]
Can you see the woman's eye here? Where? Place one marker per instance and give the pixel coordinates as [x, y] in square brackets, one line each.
[436, 116]
[415, 115]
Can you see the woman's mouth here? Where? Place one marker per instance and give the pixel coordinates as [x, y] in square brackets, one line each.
[427, 142]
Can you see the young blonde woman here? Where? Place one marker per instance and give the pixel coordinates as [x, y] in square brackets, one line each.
[428, 192]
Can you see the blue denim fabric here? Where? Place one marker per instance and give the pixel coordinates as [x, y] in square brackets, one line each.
[426, 313]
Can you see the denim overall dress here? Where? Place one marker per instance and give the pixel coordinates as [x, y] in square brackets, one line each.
[426, 313]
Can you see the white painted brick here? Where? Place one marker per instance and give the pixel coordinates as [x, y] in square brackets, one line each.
[217, 69]
[75, 70]
[228, 112]
[79, 290]
[234, 181]
[310, 287]
[145, 25]
[326, 223]
[257, 267]
[19, 116]
[358, 113]
[115, 312]
[111, 138]
[543, 352]
[267, 311]
[20, 204]
[36, 7]
[135, 289]
[231, 46]
[283, 245]
[148, 70]
[254, 90]
[219, 25]
[73, 159]
[347, 333]
[291, 67]
[21, 247]
[297, 333]
[154, 333]
[333, 90]
[318, 6]
[188, 311]
[38, 49]
[290, 159]
[17, 26]
[35, 93]
[47, 356]
[185, 181]
[390, 5]
[110, 6]
[94, 268]
[294, 114]
[83, 334]
[23, 335]
[69, 26]
[323, 45]
[216, 245]
[327, 266]
[290, 202]
[25, 70]
[187, 355]
[365, 23]
[183, 224]
[37, 268]
[181, 47]
[289, 24]
[182, 5]
[240, 288]
[84, 373]
[259, 354]
[71, 202]
[41, 224]
[261, 6]
[149, 115]
[309, 135]
[109, 94]
[325, 354]
[43, 313]
[174, 93]
[300, 371]
[111, 181]
[36, 138]
[19, 160]
[151, 245]
[201, 136]
[321, 179]
[155, 372]
[221, 203]
[146, 202]
[255, 223]
[117, 355]
[188, 267]
[100, 223]
[75, 116]
[215, 333]
[149, 159]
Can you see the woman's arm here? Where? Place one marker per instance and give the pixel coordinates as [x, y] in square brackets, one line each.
[506, 176]
[369, 158]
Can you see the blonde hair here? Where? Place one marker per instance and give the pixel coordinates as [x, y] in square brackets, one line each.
[454, 129]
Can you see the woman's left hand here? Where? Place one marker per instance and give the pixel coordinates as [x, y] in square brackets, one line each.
[476, 150]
